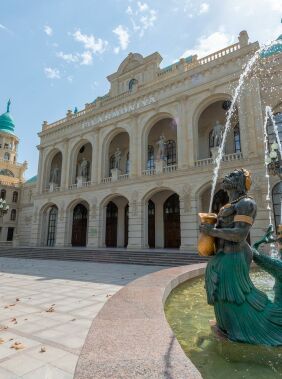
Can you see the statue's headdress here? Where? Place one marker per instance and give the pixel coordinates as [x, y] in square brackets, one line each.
[248, 179]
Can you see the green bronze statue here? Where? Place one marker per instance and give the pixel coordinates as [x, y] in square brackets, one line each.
[243, 313]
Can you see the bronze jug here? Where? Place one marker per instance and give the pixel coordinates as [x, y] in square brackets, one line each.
[206, 245]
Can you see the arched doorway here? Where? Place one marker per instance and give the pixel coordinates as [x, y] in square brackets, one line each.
[151, 224]
[52, 226]
[79, 225]
[111, 224]
[171, 210]
[117, 220]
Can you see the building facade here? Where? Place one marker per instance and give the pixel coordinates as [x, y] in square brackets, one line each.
[11, 175]
[134, 168]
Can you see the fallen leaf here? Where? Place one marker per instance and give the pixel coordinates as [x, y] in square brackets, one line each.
[18, 346]
[73, 319]
[51, 309]
[108, 295]
[42, 349]
[3, 328]
[17, 299]
[1, 341]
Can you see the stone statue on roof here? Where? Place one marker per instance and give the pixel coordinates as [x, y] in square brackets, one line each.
[8, 105]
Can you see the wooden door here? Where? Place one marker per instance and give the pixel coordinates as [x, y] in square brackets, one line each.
[79, 226]
[111, 225]
[172, 222]
[126, 212]
[151, 224]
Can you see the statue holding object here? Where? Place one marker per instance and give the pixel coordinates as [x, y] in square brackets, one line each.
[243, 313]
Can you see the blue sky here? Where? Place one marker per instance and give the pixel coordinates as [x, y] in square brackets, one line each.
[55, 55]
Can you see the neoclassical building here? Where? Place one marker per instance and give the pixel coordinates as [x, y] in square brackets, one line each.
[134, 167]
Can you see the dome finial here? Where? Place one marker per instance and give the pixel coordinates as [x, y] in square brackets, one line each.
[8, 105]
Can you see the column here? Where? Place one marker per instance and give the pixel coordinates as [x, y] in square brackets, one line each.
[134, 147]
[39, 186]
[185, 140]
[61, 227]
[189, 223]
[65, 165]
[135, 225]
[93, 225]
[95, 158]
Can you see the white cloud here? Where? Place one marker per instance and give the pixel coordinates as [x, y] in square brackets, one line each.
[142, 6]
[48, 30]
[142, 17]
[123, 37]
[90, 42]
[70, 78]
[204, 8]
[209, 44]
[3, 27]
[68, 57]
[275, 5]
[86, 58]
[52, 73]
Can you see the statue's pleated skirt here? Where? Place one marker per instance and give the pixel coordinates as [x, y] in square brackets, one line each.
[242, 311]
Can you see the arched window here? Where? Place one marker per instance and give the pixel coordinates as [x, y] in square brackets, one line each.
[3, 194]
[127, 164]
[6, 156]
[276, 201]
[15, 196]
[151, 158]
[170, 153]
[52, 223]
[132, 83]
[270, 129]
[13, 215]
[112, 164]
[237, 139]
[6, 172]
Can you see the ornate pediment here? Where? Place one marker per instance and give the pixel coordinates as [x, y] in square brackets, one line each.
[130, 63]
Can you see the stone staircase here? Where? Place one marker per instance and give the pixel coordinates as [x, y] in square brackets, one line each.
[142, 257]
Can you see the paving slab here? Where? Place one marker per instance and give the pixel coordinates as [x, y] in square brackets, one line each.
[48, 306]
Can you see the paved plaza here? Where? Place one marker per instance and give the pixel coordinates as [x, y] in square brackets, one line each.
[46, 309]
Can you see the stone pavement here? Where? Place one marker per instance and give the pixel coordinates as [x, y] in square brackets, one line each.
[46, 309]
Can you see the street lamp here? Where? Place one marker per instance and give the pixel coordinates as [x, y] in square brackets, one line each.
[4, 207]
[274, 162]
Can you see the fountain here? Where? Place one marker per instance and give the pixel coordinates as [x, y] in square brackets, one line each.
[247, 333]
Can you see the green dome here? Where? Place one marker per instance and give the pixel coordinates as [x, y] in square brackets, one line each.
[275, 49]
[32, 180]
[7, 124]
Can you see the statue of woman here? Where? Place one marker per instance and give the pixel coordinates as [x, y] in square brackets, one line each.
[243, 313]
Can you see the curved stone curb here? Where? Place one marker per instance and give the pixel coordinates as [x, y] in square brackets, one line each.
[130, 337]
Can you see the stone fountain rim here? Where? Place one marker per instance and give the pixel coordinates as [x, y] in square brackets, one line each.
[130, 336]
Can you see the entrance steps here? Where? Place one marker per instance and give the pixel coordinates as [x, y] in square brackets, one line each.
[154, 257]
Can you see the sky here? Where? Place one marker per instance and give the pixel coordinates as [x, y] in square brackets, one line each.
[55, 55]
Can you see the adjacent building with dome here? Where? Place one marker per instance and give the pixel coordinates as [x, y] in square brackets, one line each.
[134, 167]
[11, 175]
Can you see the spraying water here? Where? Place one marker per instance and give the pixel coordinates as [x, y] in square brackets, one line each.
[269, 113]
[251, 63]
[266, 152]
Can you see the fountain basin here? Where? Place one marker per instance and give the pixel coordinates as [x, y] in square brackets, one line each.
[216, 357]
[131, 338]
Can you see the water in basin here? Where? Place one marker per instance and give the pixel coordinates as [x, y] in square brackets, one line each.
[188, 314]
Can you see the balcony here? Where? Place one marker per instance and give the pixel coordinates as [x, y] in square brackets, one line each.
[225, 158]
